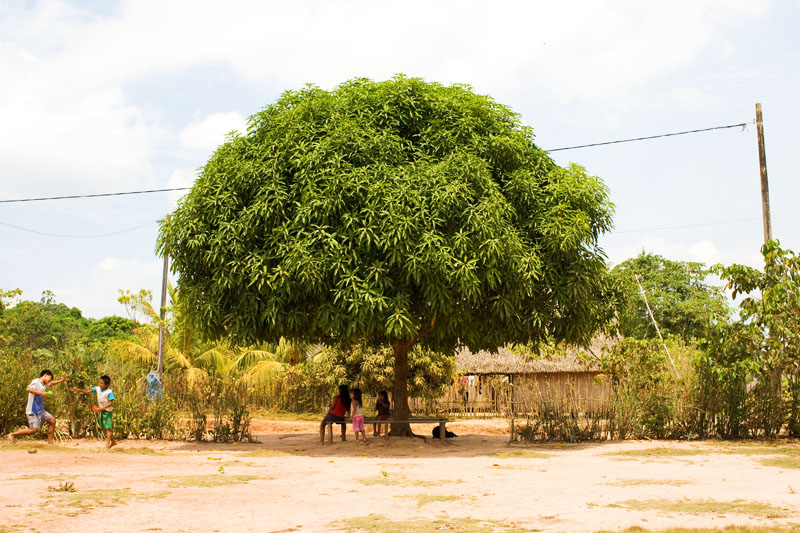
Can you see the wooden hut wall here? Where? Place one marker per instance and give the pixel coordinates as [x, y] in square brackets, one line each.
[492, 395]
[470, 396]
[581, 390]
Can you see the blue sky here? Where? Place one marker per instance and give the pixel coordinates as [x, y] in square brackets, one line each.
[116, 96]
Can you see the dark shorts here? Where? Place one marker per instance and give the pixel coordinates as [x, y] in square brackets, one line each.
[382, 417]
[330, 417]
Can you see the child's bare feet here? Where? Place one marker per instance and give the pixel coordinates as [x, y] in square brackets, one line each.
[11, 439]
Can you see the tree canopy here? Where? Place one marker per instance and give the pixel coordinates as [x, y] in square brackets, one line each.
[390, 213]
[377, 211]
[682, 302]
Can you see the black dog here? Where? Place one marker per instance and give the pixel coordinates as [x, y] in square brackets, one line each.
[447, 434]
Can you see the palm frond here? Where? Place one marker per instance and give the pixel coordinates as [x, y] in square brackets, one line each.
[174, 358]
[195, 376]
[217, 361]
[262, 373]
[248, 358]
[131, 351]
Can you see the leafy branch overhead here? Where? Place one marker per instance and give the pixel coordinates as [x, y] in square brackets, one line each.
[389, 211]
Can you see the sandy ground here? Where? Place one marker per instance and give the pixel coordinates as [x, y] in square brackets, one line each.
[477, 482]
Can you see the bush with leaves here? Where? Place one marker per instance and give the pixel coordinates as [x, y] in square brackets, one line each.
[372, 370]
[16, 371]
[648, 400]
[771, 311]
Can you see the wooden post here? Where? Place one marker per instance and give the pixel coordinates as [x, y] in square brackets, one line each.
[762, 161]
[162, 316]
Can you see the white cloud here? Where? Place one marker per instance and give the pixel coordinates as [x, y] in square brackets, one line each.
[207, 134]
[68, 125]
[703, 251]
[96, 294]
[71, 123]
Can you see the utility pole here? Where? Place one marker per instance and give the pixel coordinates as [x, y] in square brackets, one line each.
[162, 315]
[762, 161]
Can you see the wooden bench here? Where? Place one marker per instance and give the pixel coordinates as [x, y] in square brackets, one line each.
[440, 421]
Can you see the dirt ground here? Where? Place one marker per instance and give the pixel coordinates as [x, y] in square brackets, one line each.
[476, 482]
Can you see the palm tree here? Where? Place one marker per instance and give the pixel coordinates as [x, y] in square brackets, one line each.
[255, 365]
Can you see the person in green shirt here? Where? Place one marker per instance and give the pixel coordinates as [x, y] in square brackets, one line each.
[105, 407]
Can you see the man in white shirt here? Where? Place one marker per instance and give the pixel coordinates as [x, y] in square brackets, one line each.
[37, 416]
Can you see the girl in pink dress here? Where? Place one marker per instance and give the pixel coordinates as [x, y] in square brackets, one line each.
[357, 415]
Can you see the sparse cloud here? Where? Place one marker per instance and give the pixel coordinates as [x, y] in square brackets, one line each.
[206, 134]
[96, 291]
[702, 251]
[69, 124]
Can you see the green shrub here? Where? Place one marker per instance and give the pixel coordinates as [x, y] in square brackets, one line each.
[16, 372]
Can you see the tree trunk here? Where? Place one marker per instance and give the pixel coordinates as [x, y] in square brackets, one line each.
[401, 410]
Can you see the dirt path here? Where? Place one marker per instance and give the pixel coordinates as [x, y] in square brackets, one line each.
[476, 482]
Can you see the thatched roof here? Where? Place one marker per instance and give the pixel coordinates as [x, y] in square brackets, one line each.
[508, 361]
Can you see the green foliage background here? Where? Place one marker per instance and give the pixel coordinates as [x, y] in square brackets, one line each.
[682, 301]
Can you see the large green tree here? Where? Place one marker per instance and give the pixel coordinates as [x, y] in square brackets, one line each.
[681, 300]
[392, 213]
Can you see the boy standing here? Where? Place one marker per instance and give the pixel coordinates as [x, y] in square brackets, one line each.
[37, 392]
[105, 406]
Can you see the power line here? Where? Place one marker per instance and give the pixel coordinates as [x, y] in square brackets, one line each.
[742, 125]
[644, 230]
[78, 236]
[700, 224]
[687, 132]
[93, 195]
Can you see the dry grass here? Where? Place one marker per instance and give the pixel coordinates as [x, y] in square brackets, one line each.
[85, 500]
[138, 450]
[782, 462]
[748, 449]
[55, 477]
[381, 524]
[728, 529]
[210, 480]
[729, 449]
[264, 452]
[425, 499]
[663, 452]
[510, 467]
[37, 445]
[525, 454]
[401, 481]
[248, 464]
[637, 482]
[751, 508]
